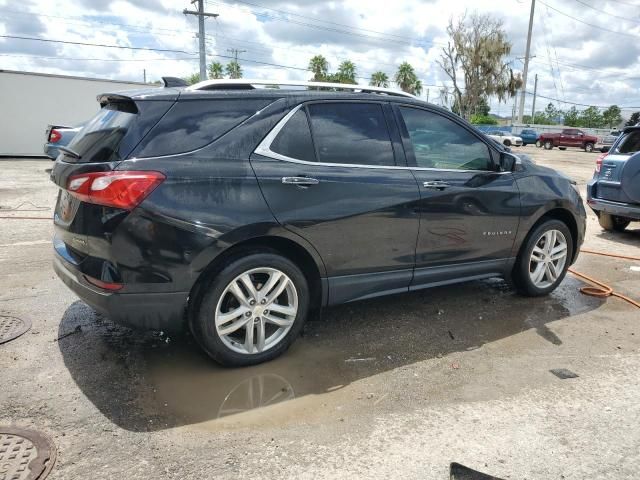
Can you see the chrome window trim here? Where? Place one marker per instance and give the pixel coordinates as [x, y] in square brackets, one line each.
[264, 149]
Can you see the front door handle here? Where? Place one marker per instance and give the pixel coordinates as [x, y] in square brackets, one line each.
[300, 181]
[436, 185]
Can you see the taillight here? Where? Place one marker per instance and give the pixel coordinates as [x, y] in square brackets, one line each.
[124, 189]
[54, 136]
[599, 162]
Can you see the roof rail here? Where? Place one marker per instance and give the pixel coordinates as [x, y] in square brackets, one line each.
[247, 84]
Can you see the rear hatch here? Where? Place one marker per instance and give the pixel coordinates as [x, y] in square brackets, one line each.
[94, 198]
[616, 177]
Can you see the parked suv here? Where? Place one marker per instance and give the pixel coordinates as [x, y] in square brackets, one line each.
[614, 191]
[239, 209]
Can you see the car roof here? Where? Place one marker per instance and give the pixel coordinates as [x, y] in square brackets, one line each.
[296, 95]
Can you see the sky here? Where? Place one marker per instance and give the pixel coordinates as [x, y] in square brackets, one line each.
[585, 51]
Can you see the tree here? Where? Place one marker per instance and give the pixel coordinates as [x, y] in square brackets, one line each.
[379, 79]
[611, 116]
[320, 68]
[233, 69]
[572, 117]
[479, 119]
[192, 79]
[216, 70]
[346, 72]
[552, 114]
[633, 120]
[475, 60]
[407, 79]
[591, 118]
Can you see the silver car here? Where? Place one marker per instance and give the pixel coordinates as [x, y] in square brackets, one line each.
[58, 136]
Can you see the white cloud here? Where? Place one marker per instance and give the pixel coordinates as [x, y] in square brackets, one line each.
[574, 61]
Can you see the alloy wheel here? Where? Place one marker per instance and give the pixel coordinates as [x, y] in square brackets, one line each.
[548, 258]
[256, 310]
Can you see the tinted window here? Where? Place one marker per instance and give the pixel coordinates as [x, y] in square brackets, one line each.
[441, 143]
[192, 124]
[294, 140]
[351, 133]
[630, 143]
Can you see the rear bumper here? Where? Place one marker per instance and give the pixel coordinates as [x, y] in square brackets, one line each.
[151, 311]
[614, 208]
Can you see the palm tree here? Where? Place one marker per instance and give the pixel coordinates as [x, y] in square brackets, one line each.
[216, 70]
[320, 68]
[407, 79]
[193, 78]
[346, 72]
[234, 70]
[379, 79]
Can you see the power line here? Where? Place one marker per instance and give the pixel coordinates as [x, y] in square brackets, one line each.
[627, 107]
[597, 27]
[43, 57]
[607, 13]
[148, 49]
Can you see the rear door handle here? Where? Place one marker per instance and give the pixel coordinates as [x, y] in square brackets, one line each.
[300, 181]
[436, 185]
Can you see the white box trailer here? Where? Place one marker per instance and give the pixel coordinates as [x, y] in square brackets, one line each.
[31, 101]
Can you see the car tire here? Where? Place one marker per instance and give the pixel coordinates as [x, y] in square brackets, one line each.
[588, 147]
[562, 148]
[526, 269]
[613, 223]
[524, 144]
[548, 145]
[538, 144]
[507, 143]
[235, 346]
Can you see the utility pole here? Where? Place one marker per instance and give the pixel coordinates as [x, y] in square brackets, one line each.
[526, 62]
[533, 108]
[201, 14]
[427, 95]
[235, 53]
[144, 75]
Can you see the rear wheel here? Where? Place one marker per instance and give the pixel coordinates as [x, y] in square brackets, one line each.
[543, 259]
[548, 145]
[588, 147]
[613, 222]
[252, 310]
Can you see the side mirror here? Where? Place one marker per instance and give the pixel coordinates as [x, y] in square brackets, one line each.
[605, 149]
[507, 162]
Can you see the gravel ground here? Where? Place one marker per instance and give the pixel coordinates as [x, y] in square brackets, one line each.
[394, 387]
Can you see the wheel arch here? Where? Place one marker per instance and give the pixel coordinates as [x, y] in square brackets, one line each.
[305, 257]
[556, 213]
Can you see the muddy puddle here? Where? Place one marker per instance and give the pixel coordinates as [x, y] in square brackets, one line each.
[149, 382]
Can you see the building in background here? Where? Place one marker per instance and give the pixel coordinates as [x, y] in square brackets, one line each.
[31, 101]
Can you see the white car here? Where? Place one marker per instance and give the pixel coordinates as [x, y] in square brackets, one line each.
[505, 138]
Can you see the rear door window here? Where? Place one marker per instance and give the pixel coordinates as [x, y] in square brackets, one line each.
[294, 140]
[351, 133]
[192, 124]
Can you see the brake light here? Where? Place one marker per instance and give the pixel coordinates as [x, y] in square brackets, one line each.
[599, 162]
[111, 286]
[54, 136]
[125, 189]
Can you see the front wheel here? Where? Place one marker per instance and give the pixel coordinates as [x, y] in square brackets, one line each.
[588, 147]
[543, 259]
[548, 145]
[507, 143]
[252, 310]
[613, 222]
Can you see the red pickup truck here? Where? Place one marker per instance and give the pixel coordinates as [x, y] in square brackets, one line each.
[569, 137]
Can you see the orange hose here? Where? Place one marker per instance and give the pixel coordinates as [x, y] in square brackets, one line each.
[603, 290]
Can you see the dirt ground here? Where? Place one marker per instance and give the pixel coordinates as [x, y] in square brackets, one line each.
[397, 387]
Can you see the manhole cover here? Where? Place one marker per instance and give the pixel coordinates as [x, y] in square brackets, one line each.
[25, 454]
[12, 327]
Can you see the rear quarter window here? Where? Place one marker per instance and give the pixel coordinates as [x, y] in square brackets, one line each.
[192, 124]
[630, 143]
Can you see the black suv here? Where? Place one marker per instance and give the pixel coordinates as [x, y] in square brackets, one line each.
[236, 210]
[614, 191]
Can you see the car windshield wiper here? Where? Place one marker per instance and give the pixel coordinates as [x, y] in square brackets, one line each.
[73, 153]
